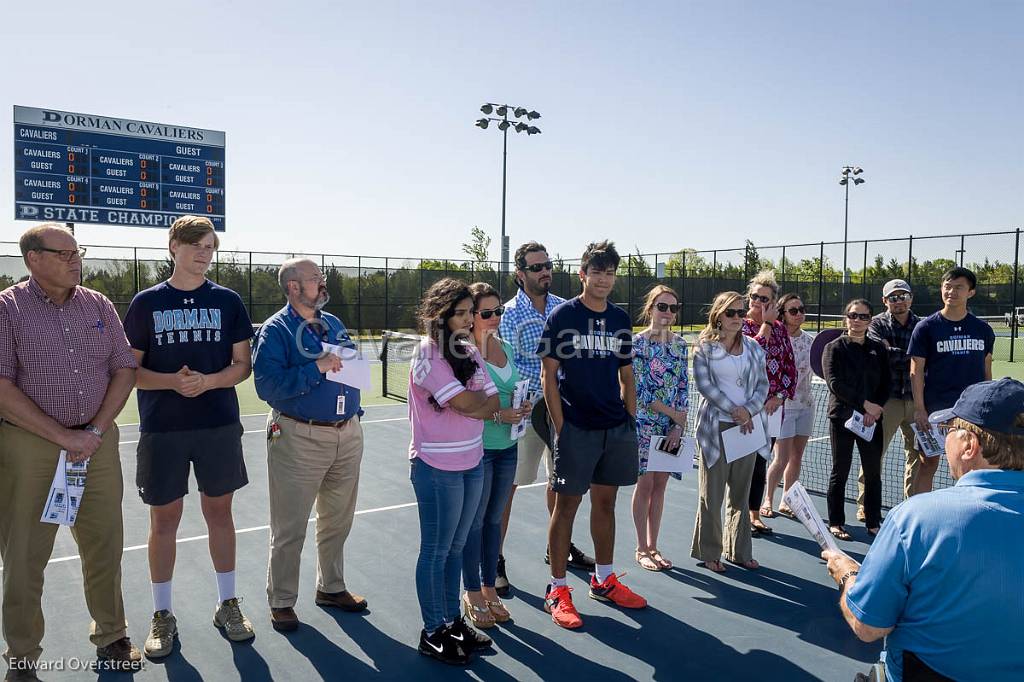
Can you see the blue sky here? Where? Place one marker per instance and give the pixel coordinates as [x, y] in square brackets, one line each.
[665, 125]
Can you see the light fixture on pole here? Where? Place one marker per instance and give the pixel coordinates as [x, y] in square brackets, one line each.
[848, 176]
[501, 112]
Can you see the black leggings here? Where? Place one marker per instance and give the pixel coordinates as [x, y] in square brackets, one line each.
[757, 480]
[870, 461]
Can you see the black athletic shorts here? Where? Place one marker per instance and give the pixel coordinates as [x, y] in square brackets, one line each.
[603, 456]
[163, 461]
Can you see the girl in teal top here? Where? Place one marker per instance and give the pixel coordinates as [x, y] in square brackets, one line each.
[481, 604]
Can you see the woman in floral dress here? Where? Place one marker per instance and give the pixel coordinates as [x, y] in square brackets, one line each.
[659, 366]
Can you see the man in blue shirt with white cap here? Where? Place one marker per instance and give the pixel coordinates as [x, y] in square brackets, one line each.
[943, 580]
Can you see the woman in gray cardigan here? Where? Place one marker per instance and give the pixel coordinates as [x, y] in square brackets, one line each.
[729, 370]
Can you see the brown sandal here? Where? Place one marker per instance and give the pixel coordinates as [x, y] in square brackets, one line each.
[498, 610]
[839, 532]
[646, 562]
[474, 613]
[664, 563]
[713, 566]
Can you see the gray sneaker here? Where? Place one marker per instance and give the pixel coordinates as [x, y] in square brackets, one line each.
[229, 618]
[162, 632]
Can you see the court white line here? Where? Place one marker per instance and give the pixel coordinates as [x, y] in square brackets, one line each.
[368, 421]
[196, 538]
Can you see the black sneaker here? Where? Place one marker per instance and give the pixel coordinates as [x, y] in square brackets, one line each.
[501, 584]
[577, 559]
[468, 638]
[442, 647]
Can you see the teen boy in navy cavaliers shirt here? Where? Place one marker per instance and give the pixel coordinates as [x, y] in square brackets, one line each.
[586, 352]
[191, 340]
[949, 351]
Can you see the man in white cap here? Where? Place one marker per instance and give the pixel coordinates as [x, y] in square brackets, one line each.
[893, 328]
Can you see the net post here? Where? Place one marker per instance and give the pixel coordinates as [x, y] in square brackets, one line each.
[1013, 311]
[821, 279]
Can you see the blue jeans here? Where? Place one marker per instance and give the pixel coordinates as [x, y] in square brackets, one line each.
[480, 556]
[447, 504]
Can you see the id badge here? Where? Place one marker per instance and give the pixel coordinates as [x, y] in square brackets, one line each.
[341, 405]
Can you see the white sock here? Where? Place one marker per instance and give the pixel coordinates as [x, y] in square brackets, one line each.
[162, 596]
[226, 585]
[558, 582]
[603, 572]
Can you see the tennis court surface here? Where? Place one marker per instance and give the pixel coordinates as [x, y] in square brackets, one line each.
[778, 623]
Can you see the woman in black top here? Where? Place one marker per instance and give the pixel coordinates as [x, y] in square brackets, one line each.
[856, 369]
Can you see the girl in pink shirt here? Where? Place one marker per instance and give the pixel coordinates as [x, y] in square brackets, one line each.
[450, 394]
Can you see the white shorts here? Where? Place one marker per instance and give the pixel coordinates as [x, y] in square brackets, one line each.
[531, 450]
[797, 422]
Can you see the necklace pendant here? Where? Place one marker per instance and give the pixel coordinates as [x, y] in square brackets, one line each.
[739, 382]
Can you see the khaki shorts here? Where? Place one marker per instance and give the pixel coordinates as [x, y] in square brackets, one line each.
[531, 450]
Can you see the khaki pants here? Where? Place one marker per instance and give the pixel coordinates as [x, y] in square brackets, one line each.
[707, 532]
[27, 464]
[899, 414]
[308, 464]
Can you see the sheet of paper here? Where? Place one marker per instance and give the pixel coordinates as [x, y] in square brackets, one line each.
[797, 499]
[856, 424]
[775, 423]
[355, 368]
[66, 490]
[658, 459]
[518, 396]
[739, 445]
[930, 442]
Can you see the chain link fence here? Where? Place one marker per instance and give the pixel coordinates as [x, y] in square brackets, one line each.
[373, 293]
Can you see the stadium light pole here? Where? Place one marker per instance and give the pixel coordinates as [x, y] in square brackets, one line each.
[501, 112]
[848, 176]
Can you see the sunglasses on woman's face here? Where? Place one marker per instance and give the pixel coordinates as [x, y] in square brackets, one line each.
[665, 307]
[762, 299]
[537, 267]
[796, 311]
[863, 317]
[734, 312]
[486, 314]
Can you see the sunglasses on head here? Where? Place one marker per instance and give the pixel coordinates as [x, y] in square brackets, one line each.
[945, 427]
[796, 311]
[762, 299]
[897, 298]
[734, 312]
[666, 307]
[863, 317]
[486, 314]
[537, 267]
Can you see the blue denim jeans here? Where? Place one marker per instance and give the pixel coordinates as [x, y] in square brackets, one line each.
[447, 503]
[480, 556]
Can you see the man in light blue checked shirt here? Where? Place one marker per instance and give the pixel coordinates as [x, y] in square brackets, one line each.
[521, 325]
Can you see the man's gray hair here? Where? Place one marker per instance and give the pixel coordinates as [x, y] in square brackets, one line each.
[289, 272]
[32, 239]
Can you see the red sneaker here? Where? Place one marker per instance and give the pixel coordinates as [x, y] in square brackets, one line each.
[558, 602]
[617, 593]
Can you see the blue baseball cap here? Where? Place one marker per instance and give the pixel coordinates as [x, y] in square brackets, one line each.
[991, 405]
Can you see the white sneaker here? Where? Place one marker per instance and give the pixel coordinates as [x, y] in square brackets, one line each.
[162, 631]
[229, 618]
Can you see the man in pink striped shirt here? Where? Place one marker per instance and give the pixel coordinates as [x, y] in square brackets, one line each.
[65, 372]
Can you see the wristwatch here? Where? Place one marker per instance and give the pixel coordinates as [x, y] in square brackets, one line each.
[847, 576]
[93, 430]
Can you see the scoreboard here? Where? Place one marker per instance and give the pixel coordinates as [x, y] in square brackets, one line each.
[81, 168]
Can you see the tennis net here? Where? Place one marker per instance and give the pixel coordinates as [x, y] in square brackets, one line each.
[396, 352]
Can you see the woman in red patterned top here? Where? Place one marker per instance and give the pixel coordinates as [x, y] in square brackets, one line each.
[763, 325]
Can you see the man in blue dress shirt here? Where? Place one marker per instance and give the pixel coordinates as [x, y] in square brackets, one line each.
[314, 442]
[942, 581]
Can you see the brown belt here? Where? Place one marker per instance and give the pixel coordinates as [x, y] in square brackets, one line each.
[314, 422]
